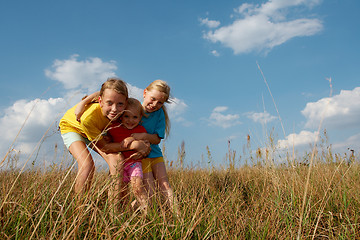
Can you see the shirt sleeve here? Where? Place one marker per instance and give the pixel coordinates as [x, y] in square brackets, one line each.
[92, 124]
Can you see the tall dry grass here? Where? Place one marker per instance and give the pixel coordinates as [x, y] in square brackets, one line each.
[256, 201]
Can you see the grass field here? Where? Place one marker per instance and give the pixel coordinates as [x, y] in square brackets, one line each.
[318, 198]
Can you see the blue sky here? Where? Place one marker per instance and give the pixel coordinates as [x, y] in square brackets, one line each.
[215, 56]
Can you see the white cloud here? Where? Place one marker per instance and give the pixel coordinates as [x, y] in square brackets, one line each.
[262, 27]
[340, 111]
[27, 122]
[220, 109]
[215, 53]
[209, 23]
[261, 117]
[217, 118]
[135, 92]
[176, 109]
[88, 74]
[302, 139]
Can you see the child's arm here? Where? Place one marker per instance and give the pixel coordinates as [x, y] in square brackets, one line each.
[127, 141]
[152, 138]
[141, 147]
[138, 154]
[80, 108]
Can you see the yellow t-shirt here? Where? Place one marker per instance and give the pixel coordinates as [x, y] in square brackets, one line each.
[93, 122]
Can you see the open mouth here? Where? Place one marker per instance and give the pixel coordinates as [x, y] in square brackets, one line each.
[112, 115]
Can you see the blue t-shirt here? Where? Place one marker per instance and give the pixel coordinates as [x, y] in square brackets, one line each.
[154, 123]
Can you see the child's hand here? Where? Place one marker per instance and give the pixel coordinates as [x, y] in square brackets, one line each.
[79, 110]
[142, 148]
[127, 141]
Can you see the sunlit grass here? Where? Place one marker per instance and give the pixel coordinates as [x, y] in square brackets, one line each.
[253, 201]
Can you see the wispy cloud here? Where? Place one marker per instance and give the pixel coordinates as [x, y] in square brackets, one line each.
[215, 53]
[218, 118]
[260, 117]
[209, 23]
[177, 108]
[262, 27]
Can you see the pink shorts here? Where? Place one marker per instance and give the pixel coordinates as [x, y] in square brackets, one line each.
[132, 169]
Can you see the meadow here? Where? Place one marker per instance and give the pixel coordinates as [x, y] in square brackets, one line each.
[315, 196]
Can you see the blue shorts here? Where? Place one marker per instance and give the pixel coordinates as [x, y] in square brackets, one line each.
[71, 137]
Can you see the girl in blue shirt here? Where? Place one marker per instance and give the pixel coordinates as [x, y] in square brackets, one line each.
[157, 125]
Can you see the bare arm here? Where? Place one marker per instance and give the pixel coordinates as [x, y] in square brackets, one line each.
[141, 147]
[152, 138]
[80, 108]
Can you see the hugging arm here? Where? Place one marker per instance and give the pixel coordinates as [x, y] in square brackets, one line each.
[151, 138]
[80, 108]
[141, 147]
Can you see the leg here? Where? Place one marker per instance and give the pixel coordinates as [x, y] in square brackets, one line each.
[148, 178]
[115, 162]
[124, 194]
[137, 187]
[149, 184]
[86, 166]
[160, 175]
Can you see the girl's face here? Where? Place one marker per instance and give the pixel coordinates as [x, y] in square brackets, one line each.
[131, 117]
[112, 103]
[153, 100]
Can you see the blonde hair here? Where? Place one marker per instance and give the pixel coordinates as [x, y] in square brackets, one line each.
[132, 102]
[115, 84]
[163, 87]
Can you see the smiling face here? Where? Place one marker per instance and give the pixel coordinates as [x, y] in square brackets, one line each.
[112, 103]
[153, 100]
[131, 117]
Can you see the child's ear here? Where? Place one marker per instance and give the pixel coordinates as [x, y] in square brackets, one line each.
[144, 93]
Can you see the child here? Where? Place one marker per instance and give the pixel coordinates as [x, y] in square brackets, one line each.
[157, 124]
[121, 131]
[96, 116]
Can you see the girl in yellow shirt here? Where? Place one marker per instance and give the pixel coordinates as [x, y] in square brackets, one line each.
[78, 135]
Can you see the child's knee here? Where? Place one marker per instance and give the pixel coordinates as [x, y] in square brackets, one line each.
[87, 166]
[137, 184]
